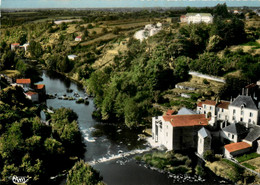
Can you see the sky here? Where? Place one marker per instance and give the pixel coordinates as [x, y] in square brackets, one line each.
[121, 3]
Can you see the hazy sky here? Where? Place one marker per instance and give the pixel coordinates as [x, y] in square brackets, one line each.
[121, 3]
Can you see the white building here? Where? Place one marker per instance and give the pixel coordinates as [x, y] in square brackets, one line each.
[177, 132]
[72, 57]
[32, 96]
[78, 38]
[197, 18]
[243, 109]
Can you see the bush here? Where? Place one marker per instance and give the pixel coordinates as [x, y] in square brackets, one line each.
[209, 156]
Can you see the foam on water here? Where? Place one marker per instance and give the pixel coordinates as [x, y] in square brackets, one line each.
[118, 156]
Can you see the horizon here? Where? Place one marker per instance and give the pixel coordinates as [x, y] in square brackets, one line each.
[99, 4]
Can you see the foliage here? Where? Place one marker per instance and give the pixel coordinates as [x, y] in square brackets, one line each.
[169, 161]
[209, 155]
[199, 171]
[247, 157]
[30, 147]
[35, 49]
[82, 173]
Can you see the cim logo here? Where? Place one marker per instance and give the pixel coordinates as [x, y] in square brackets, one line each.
[20, 179]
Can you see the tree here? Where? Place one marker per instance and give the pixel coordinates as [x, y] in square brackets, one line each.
[82, 173]
[35, 49]
[181, 68]
[221, 11]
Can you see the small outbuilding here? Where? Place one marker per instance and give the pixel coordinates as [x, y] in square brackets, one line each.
[34, 96]
[234, 149]
[15, 46]
[204, 141]
[78, 38]
[24, 82]
[72, 57]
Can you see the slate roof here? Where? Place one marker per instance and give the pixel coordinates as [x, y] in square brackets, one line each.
[244, 100]
[235, 128]
[237, 146]
[185, 111]
[204, 133]
[186, 120]
[253, 135]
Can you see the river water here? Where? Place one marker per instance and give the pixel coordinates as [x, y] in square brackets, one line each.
[112, 152]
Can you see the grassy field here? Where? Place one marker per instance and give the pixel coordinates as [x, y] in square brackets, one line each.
[10, 73]
[255, 163]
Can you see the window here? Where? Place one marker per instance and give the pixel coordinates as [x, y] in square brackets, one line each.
[228, 134]
[222, 110]
[241, 119]
[233, 118]
[210, 107]
[204, 106]
[233, 136]
[166, 134]
[234, 111]
[250, 114]
[219, 115]
[249, 120]
[200, 140]
[242, 112]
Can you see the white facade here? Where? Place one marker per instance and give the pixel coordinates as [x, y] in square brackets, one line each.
[243, 114]
[199, 17]
[162, 132]
[222, 113]
[229, 136]
[72, 57]
[204, 141]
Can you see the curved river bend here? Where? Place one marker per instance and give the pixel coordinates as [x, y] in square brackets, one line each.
[105, 153]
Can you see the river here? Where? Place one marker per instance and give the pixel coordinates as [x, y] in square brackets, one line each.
[112, 153]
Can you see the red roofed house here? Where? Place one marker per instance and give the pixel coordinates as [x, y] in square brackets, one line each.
[217, 109]
[15, 46]
[235, 149]
[78, 38]
[184, 18]
[32, 96]
[177, 132]
[40, 89]
[24, 82]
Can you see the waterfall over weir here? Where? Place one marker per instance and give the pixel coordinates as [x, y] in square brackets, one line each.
[118, 156]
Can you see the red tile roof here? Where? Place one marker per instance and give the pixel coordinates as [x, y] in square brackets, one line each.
[199, 104]
[15, 44]
[170, 112]
[183, 16]
[30, 93]
[23, 81]
[79, 37]
[209, 102]
[39, 86]
[237, 146]
[186, 120]
[223, 104]
[250, 86]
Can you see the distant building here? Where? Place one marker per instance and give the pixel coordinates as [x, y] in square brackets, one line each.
[24, 82]
[15, 46]
[40, 89]
[72, 57]
[234, 149]
[25, 46]
[234, 132]
[78, 38]
[177, 132]
[197, 18]
[32, 96]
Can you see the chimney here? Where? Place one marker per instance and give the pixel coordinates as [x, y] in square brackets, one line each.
[231, 100]
[243, 91]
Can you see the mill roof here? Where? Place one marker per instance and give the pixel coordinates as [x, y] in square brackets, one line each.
[186, 120]
[254, 134]
[246, 101]
[237, 146]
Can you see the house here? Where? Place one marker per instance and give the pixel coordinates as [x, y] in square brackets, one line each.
[24, 82]
[25, 46]
[72, 57]
[253, 136]
[243, 109]
[32, 96]
[234, 149]
[234, 132]
[183, 18]
[197, 18]
[177, 132]
[40, 89]
[204, 141]
[15, 46]
[78, 38]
